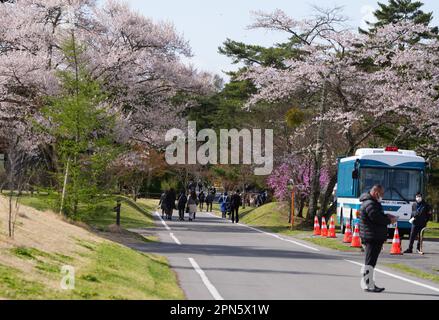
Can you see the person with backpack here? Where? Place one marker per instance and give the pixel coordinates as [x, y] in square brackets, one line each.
[235, 202]
[181, 205]
[191, 206]
[419, 221]
[223, 202]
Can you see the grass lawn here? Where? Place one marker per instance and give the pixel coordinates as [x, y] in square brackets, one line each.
[99, 215]
[102, 271]
[30, 265]
[432, 233]
[415, 272]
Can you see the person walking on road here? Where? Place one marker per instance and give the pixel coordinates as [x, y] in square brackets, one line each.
[181, 205]
[209, 201]
[373, 233]
[201, 198]
[223, 200]
[169, 203]
[192, 203]
[419, 222]
[162, 203]
[235, 202]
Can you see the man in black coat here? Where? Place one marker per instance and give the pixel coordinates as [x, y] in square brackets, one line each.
[169, 203]
[373, 233]
[181, 205]
[235, 202]
[419, 222]
[209, 200]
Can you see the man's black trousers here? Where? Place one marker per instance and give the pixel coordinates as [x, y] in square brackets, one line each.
[181, 213]
[416, 230]
[235, 216]
[373, 249]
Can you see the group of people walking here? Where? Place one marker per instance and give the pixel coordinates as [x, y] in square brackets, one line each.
[208, 199]
[186, 203]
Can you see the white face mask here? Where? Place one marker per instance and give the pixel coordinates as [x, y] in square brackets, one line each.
[380, 199]
[418, 199]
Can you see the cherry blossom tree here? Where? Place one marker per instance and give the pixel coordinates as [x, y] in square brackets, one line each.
[137, 61]
[355, 82]
[298, 173]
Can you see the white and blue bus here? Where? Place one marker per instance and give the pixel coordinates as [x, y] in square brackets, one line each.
[401, 172]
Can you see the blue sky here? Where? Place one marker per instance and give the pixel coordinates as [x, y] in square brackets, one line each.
[206, 23]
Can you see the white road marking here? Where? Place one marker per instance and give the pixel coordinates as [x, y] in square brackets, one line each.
[398, 277]
[205, 280]
[163, 221]
[273, 235]
[175, 239]
[281, 238]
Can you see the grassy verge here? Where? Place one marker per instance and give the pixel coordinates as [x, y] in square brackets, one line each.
[102, 271]
[432, 233]
[30, 265]
[99, 215]
[274, 216]
[415, 272]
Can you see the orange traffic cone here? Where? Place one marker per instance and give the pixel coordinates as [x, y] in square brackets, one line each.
[347, 233]
[324, 232]
[396, 243]
[316, 226]
[332, 228]
[356, 241]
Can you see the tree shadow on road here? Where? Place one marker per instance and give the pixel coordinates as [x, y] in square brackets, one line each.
[165, 248]
[412, 294]
[246, 270]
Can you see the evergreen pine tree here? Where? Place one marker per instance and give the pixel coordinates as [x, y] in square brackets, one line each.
[398, 11]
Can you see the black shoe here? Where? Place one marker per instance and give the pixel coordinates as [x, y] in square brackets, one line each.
[408, 251]
[375, 289]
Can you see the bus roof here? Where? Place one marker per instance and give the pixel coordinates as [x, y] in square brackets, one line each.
[381, 157]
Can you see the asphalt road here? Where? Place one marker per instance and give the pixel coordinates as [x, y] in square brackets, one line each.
[215, 259]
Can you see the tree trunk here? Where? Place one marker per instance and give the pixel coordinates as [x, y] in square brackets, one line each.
[63, 194]
[148, 182]
[301, 206]
[10, 214]
[328, 193]
[243, 195]
[75, 206]
[318, 157]
[134, 193]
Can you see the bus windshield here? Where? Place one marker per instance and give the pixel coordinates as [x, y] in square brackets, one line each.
[398, 184]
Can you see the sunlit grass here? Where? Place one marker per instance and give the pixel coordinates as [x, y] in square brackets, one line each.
[414, 272]
[107, 271]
